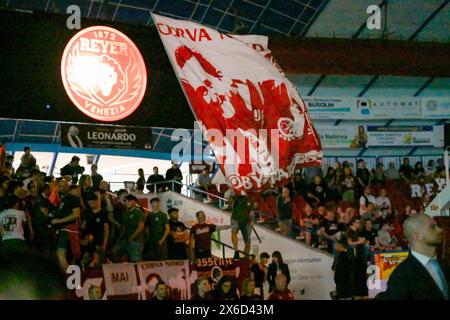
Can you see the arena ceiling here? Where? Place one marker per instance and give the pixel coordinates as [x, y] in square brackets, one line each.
[287, 17]
[421, 20]
[413, 20]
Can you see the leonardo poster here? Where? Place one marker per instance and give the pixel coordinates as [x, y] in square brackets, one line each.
[101, 136]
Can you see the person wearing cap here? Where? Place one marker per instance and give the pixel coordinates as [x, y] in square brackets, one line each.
[131, 238]
[158, 229]
[73, 169]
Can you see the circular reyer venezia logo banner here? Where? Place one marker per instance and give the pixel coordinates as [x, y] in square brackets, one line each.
[103, 73]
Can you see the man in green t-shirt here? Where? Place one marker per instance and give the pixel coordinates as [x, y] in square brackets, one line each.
[131, 238]
[241, 219]
[157, 226]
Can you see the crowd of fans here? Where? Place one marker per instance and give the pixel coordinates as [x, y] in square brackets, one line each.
[157, 183]
[350, 215]
[226, 289]
[78, 218]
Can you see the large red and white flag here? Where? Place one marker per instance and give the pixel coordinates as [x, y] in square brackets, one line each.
[252, 116]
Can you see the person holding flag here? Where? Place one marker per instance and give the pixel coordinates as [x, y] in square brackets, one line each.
[242, 217]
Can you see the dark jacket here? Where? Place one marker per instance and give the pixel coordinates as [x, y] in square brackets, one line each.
[231, 295]
[208, 296]
[271, 275]
[343, 275]
[411, 281]
[154, 178]
[74, 171]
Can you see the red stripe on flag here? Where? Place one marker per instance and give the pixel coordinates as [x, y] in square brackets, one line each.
[54, 194]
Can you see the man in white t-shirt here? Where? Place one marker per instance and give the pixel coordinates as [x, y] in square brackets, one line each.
[382, 201]
[11, 224]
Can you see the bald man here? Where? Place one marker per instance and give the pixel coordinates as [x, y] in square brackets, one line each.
[420, 276]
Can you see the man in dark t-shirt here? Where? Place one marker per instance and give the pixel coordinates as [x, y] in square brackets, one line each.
[96, 227]
[96, 177]
[174, 173]
[155, 179]
[330, 230]
[362, 178]
[115, 217]
[354, 238]
[316, 192]
[405, 170]
[200, 237]
[369, 234]
[176, 241]
[131, 238]
[242, 216]
[259, 272]
[67, 222]
[72, 169]
[158, 229]
[356, 251]
[41, 209]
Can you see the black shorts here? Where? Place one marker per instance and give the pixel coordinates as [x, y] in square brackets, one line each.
[202, 253]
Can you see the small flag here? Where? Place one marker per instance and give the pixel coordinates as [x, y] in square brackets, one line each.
[54, 194]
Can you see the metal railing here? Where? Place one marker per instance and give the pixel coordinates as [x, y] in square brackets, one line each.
[224, 245]
[191, 190]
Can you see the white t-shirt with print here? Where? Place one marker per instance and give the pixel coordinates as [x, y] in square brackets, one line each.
[383, 202]
[370, 198]
[12, 222]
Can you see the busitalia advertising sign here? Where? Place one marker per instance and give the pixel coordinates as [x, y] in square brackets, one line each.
[103, 73]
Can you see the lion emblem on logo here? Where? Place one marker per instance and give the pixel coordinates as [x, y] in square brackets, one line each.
[104, 73]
